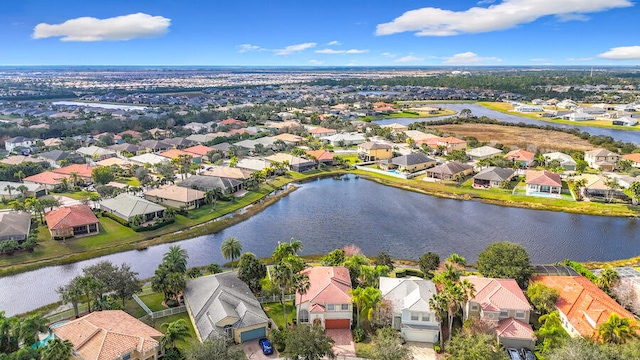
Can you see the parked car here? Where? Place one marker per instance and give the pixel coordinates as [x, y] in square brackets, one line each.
[528, 354]
[265, 345]
[514, 354]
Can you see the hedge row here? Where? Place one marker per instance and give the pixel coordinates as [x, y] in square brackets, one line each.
[580, 269]
[115, 218]
[154, 226]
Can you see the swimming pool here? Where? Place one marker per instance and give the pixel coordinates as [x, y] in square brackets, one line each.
[43, 341]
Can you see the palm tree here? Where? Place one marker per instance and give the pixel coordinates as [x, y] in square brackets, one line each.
[438, 304]
[23, 190]
[607, 279]
[57, 349]
[8, 343]
[30, 327]
[20, 175]
[9, 189]
[286, 276]
[618, 330]
[231, 249]
[71, 293]
[365, 299]
[175, 331]
[284, 249]
[176, 259]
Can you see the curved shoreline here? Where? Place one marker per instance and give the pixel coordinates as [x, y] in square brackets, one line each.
[244, 213]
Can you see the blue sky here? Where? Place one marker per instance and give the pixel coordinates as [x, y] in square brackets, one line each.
[320, 33]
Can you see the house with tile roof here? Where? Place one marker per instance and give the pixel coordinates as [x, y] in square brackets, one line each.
[501, 303]
[395, 127]
[179, 143]
[14, 225]
[634, 158]
[174, 154]
[228, 172]
[321, 156]
[318, 132]
[72, 221]
[47, 179]
[223, 305]
[408, 299]
[373, 151]
[411, 162]
[581, 304]
[176, 196]
[492, 177]
[543, 183]
[96, 153]
[601, 159]
[148, 158]
[289, 138]
[327, 302]
[451, 143]
[154, 145]
[296, 163]
[449, 171]
[524, 157]
[82, 170]
[199, 150]
[205, 183]
[126, 206]
[232, 122]
[111, 335]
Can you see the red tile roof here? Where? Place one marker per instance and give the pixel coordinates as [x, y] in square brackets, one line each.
[106, 335]
[199, 150]
[70, 216]
[452, 140]
[46, 178]
[320, 155]
[497, 294]
[582, 302]
[321, 130]
[520, 155]
[544, 177]
[329, 284]
[82, 170]
[514, 329]
[635, 157]
[175, 153]
[232, 122]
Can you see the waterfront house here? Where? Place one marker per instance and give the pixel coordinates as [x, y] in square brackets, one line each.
[449, 144]
[409, 302]
[501, 303]
[625, 121]
[321, 156]
[14, 225]
[523, 157]
[176, 196]
[126, 206]
[205, 183]
[524, 108]
[395, 127]
[327, 302]
[411, 163]
[373, 151]
[149, 158]
[601, 159]
[111, 335]
[581, 304]
[296, 163]
[492, 177]
[634, 158]
[449, 171]
[543, 183]
[578, 116]
[227, 172]
[72, 221]
[483, 152]
[223, 305]
[566, 161]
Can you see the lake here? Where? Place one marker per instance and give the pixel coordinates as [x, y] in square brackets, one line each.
[100, 105]
[328, 214]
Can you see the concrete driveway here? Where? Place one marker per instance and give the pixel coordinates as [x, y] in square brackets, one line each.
[344, 345]
[253, 351]
[421, 351]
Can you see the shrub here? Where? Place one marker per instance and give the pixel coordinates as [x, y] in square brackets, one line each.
[120, 221]
[155, 226]
[279, 339]
[358, 334]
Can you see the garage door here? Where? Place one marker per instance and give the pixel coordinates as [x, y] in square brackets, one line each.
[420, 335]
[337, 324]
[253, 334]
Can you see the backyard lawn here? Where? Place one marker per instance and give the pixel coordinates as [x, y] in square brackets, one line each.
[182, 344]
[274, 311]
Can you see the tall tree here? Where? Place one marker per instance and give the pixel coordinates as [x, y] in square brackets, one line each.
[387, 345]
[551, 334]
[251, 270]
[365, 299]
[31, 327]
[176, 259]
[57, 349]
[542, 297]
[126, 283]
[231, 249]
[286, 276]
[505, 260]
[428, 263]
[284, 249]
[71, 293]
[174, 331]
[309, 343]
[618, 330]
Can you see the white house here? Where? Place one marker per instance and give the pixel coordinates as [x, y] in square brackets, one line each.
[577, 116]
[19, 141]
[625, 121]
[409, 301]
[528, 108]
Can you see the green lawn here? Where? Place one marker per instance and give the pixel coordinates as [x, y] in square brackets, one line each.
[183, 344]
[132, 308]
[154, 301]
[364, 349]
[274, 311]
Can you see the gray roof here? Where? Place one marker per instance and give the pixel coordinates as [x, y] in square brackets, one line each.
[154, 144]
[127, 206]
[179, 142]
[19, 139]
[450, 168]
[214, 298]
[407, 293]
[222, 146]
[31, 187]
[125, 147]
[412, 159]
[204, 183]
[494, 174]
[14, 224]
[55, 155]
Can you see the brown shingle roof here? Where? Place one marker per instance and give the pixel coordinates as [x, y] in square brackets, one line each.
[70, 216]
[106, 335]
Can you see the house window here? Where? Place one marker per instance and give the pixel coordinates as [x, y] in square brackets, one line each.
[504, 313]
[519, 314]
[415, 316]
[303, 316]
[330, 307]
[345, 307]
[425, 317]
[474, 306]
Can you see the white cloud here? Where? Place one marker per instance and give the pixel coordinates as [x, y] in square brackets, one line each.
[334, 51]
[622, 53]
[295, 48]
[409, 58]
[124, 27]
[580, 59]
[431, 21]
[248, 47]
[469, 58]
[334, 42]
[315, 62]
[389, 55]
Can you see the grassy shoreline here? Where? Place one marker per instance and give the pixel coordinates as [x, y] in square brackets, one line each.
[578, 124]
[269, 194]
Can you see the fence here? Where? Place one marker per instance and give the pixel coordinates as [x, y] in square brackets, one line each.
[275, 298]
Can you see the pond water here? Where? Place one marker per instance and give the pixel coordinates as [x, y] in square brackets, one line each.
[328, 214]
